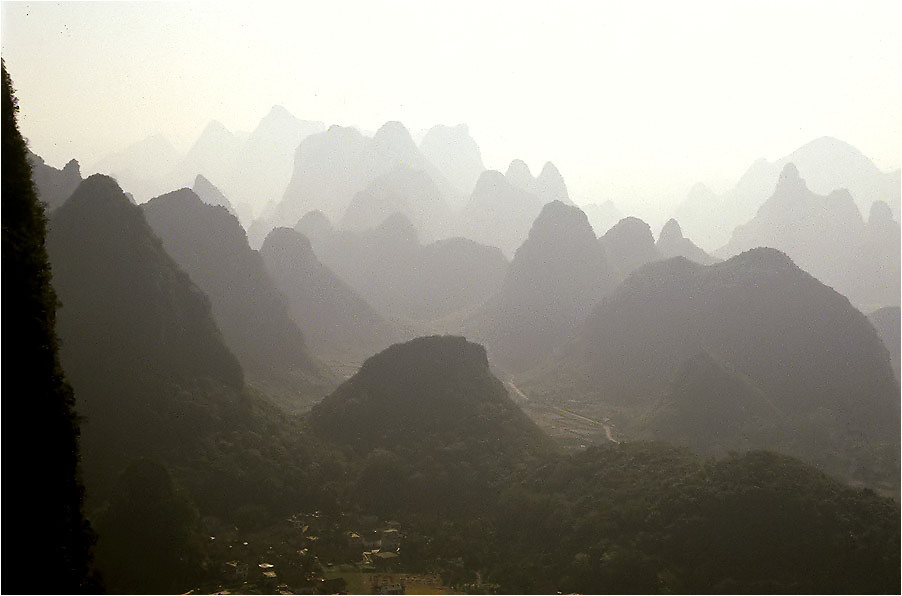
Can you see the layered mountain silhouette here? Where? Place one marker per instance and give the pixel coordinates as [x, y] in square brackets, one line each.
[213, 154]
[330, 168]
[210, 194]
[335, 320]
[143, 168]
[399, 276]
[671, 243]
[887, 323]
[602, 216]
[263, 165]
[555, 278]
[455, 154]
[827, 164]
[815, 357]
[211, 246]
[499, 213]
[628, 245]
[402, 190]
[253, 169]
[53, 186]
[827, 237]
[150, 368]
[548, 186]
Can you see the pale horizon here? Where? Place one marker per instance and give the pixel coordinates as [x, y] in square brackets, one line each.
[634, 103]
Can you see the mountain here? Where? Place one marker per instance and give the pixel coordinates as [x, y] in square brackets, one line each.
[330, 168]
[875, 272]
[143, 168]
[455, 154]
[671, 243]
[264, 161]
[437, 429]
[712, 408]
[402, 190]
[47, 519]
[827, 237]
[53, 186]
[335, 320]
[887, 323]
[827, 164]
[499, 213]
[555, 278]
[213, 154]
[315, 225]
[645, 518]
[151, 372]
[210, 194]
[828, 374]
[399, 276]
[210, 245]
[603, 216]
[550, 185]
[628, 245]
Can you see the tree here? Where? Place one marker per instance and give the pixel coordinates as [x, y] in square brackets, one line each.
[44, 527]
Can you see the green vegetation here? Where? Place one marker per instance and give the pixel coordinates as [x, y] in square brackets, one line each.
[43, 522]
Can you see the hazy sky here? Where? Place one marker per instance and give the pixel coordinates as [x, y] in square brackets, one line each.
[633, 101]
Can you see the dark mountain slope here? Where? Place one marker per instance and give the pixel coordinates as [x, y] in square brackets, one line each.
[434, 419]
[42, 506]
[814, 356]
[151, 370]
[711, 407]
[210, 245]
[887, 323]
[645, 518]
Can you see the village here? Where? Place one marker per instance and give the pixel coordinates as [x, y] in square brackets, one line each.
[312, 553]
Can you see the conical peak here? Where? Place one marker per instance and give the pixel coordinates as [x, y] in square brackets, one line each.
[880, 213]
[550, 171]
[97, 190]
[394, 134]
[72, 167]
[790, 179]
[489, 181]
[518, 170]
[282, 238]
[671, 232]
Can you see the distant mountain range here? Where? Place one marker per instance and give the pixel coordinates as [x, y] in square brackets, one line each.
[402, 278]
[827, 164]
[331, 167]
[826, 236]
[252, 169]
